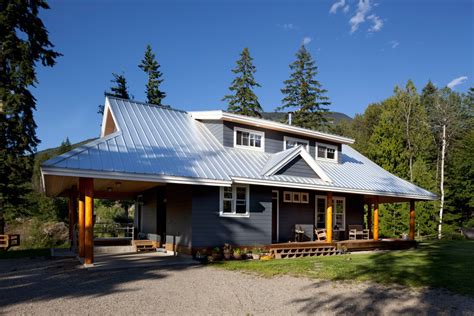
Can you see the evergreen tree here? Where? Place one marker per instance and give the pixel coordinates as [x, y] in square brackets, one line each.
[119, 90]
[244, 101]
[65, 146]
[151, 67]
[304, 94]
[24, 43]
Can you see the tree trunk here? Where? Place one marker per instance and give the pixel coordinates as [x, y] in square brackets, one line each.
[443, 153]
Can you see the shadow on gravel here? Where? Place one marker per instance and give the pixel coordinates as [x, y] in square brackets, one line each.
[51, 279]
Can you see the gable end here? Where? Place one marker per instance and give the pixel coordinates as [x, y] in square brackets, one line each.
[299, 168]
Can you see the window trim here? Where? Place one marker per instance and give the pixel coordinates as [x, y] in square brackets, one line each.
[341, 198]
[336, 152]
[290, 194]
[287, 138]
[234, 201]
[240, 129]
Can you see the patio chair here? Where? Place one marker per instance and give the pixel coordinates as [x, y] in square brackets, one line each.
[320, 234]
[357, 231]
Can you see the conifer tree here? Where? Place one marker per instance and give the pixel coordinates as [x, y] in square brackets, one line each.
[24, 43]
[151, 67]
[119, 90]
[304, 94]
[243, 100]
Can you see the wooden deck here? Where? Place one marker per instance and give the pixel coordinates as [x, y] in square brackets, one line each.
[318, 248]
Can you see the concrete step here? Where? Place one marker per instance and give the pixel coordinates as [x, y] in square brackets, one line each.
[114, 249]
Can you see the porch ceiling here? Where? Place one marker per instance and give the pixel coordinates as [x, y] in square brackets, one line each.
[112, 189]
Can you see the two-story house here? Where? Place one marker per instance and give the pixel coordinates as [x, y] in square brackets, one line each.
[206, 178]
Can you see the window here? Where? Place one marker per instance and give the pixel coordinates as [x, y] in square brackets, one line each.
[290, 142]
[326, 152]
[338, 212]
[249, 139]
[296, 197]
[234, 201]
[287, 197]
[305, 197]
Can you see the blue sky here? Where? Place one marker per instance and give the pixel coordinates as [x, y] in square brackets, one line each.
[363, 49]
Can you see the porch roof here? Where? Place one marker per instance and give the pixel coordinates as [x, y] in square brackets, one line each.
[158, 144]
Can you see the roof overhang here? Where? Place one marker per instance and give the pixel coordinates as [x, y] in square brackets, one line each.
[226, 116]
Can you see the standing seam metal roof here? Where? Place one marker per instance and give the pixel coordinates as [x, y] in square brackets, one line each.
[155, 140]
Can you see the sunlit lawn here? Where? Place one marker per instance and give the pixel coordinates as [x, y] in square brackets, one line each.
[447, 264]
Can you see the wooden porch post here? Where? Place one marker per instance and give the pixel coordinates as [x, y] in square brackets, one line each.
[89, 218]
[329, 217]
[81, 218]
[412, 220]
[376, 219]
[369, 217]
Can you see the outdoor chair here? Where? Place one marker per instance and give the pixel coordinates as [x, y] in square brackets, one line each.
[356, 231]
[320, 234]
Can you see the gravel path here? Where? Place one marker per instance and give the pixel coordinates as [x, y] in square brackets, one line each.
[60, 288]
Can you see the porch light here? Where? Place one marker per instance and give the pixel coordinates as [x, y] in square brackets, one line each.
[109, 189]
[118, 184]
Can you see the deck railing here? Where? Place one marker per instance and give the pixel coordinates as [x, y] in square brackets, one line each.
[114, 230]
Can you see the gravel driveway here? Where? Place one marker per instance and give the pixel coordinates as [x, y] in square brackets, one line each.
[58, 287]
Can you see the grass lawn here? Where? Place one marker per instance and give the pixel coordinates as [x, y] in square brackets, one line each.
[445, 264]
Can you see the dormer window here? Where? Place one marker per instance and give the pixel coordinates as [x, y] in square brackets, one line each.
[290, 142]
[249, 139]
[326, 152]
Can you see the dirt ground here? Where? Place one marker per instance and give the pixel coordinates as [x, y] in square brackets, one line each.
[53, 287]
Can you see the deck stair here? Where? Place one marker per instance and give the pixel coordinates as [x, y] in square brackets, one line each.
[298, 250]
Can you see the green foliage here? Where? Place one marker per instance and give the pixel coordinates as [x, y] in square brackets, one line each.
[120, 88]
[24, 43]
[243, 100]
[304, 94]
[151, 67]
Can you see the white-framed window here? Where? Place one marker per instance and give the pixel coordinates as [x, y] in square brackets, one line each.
[296, 197]
[290, 142]
[234, 201]
[287, 197]
[249, 139]
[326, 152]
[338, 212]
[304, 197]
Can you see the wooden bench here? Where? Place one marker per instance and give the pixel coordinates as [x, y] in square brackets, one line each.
[145, 245]
[8, 241]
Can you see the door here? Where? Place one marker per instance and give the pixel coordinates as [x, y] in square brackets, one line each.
[275, 214]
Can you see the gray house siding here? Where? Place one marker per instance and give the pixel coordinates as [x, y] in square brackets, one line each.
[178, 215]
[148, 212]
[210, 229]
[216, 128]
[298, 167]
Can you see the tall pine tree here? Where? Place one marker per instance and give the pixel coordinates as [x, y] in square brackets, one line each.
[151, 67]
[24, 43]
[243, 100]
[119, 90]
[304, 94]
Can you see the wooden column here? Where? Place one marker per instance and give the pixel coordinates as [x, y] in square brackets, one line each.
[376, 219]
[329, 217]
[89, 221]
[81, 214]
[412, 220]
[369, 217]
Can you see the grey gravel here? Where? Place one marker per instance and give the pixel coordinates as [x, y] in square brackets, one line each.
[58, 287]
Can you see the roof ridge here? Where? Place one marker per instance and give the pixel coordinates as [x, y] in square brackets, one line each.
[164, 107]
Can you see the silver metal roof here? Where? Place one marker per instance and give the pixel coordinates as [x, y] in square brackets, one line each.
[155, 141]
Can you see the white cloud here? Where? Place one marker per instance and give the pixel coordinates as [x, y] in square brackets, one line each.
[346, 9]
[457, 81]
[306, 40]
[363, 8]
[394, 44]
[336, 6]
[377, 23]
[288, 26]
